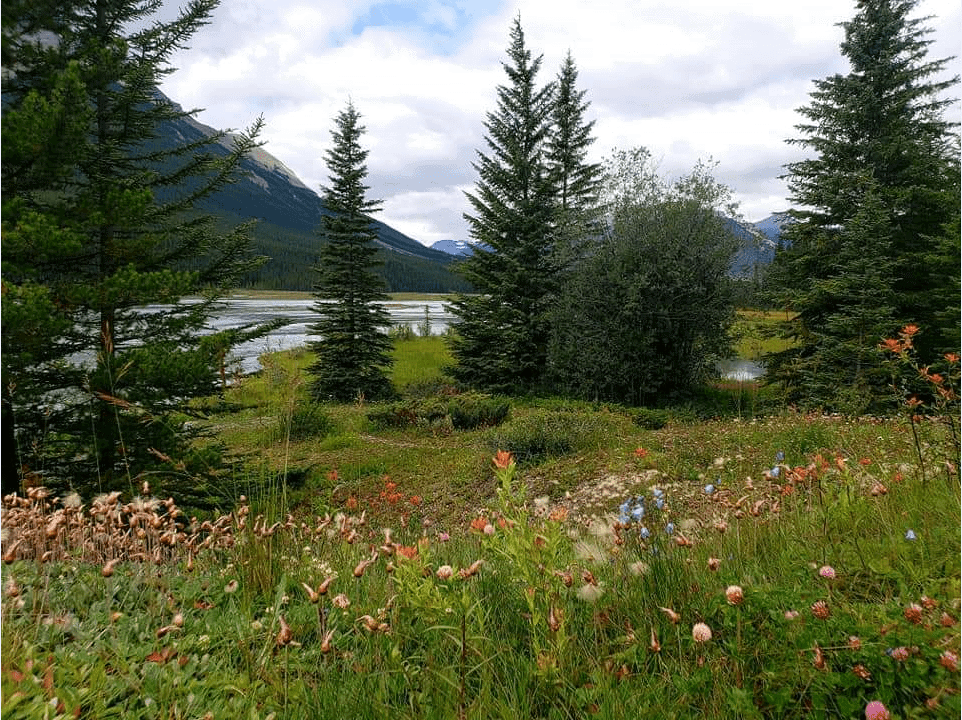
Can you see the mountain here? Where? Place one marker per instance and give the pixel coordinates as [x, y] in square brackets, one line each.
[771, 227]
[453, 247]
[755, 249]
[288, 213]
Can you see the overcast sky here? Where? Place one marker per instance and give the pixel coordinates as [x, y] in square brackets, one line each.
[688, 79]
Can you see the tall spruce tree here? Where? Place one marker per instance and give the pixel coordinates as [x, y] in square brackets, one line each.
[109, 274]
[872, 208]
[502, 332]
[353, 352]
[578, 181]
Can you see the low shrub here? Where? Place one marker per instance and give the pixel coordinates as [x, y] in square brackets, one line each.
[405, 413]
[650, 418]
[534, 438]
[476, 410]
[308, 420]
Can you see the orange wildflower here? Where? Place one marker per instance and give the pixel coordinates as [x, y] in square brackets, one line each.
[415, 500]
[502, 459]
[478, 523]
[641, 452]
[892, 344]
[909, 330]
[952, 358]
[406, 551]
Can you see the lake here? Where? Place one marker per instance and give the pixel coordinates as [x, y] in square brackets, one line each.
[242, 311]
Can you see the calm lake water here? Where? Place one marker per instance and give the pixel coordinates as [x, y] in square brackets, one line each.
[298, 313]
[299, 316]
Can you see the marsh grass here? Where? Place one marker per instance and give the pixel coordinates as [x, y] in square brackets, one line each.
[458, 588]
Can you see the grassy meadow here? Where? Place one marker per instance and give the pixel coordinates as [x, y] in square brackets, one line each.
[459, 556]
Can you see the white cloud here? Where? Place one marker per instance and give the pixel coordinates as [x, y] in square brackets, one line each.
[690, 79]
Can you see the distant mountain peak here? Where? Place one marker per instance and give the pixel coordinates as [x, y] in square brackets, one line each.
[453, 247]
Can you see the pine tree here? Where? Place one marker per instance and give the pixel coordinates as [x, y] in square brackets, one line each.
[110, 276]
[353, 352]
[502, 332]
[881, 127]
[577, 180]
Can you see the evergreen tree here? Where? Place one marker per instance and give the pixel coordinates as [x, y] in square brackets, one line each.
[880, 128]
[353, 352]
[577, 180]
[502, 332]
[102, 348]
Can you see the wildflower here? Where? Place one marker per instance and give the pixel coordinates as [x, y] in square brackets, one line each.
[775, 471]
[827, 572]
[502, 459]
[555, 616]
[443, 537]
[654, 644]
[928, 603]
[946, 620]
[341, 601]
[590, 593]
[714, 563]
[479, 522]
[900, 653]
[791, 614]
[700, 633]
[734, 595]
[862, 672]
[780, 456]
[672, 615]
[670, 528]
[892, 345]
[445, 572]
[660, 503]
[854, 642]
[876, 711]
[231, 587]
[644, 533]
[913, 613]
[471, 570]
[721, 526]
[488, 529]
[819, 658]
[284, 635]
[640, 452]
[949, 660]
[821, 610]
[910, 535]
[326, 642]
[709, 489]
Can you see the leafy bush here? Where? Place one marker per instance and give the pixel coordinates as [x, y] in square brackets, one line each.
[309, 420]
[534, 438]
[404, 413]
[475, 410]
[650, 418]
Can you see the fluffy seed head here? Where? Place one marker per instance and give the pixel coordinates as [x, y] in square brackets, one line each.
[700, 633]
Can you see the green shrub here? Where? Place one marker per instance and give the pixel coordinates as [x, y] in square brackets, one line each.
[404, 413]
[309, 420]
[476, 410]
[650, 418]
[533, 438]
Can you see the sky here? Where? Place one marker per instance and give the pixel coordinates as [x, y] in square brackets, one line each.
[690, 80]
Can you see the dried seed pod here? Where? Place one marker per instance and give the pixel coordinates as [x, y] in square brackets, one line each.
[284, 635]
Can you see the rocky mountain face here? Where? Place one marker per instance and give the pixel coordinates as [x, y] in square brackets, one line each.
[289, 213]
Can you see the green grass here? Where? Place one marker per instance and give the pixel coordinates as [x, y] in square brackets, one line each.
[567, 615]
[755, 333]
